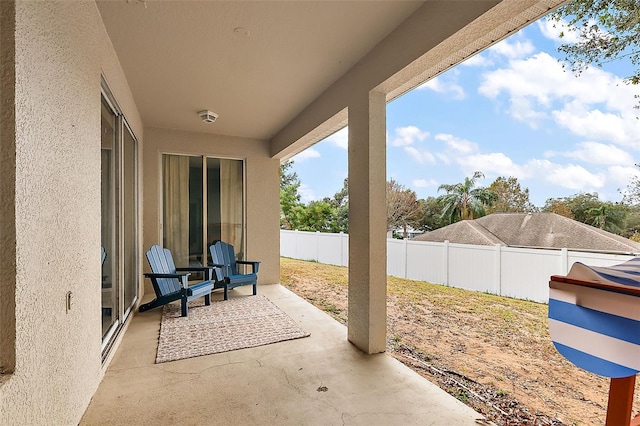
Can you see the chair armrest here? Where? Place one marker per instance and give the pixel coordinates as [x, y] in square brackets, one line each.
[207, 269]
[184, 278]
[216, 269]
[255, 264]
[154, 275]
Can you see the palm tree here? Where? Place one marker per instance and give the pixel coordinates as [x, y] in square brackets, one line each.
[606, 218]
[464, 201]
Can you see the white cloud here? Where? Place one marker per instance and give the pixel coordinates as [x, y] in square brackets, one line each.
[306, 193]
[495, 163]
[598, 104]
[569, 176]
[306, 154]
[421, 156]
[445, 87]
[423, 183]
[560, 32]
[597, 153]
[408, 135]
[599, 125]
[574, 177]
[340, 138]
[621, 175]
[513, 48]
[459, 145]
[522, 109]
[444, 158]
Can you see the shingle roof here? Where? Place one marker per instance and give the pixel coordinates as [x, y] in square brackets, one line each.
[547, 230]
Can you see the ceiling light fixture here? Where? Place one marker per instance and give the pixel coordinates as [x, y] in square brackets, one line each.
[208, 116]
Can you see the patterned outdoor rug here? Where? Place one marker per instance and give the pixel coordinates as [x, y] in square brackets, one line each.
[237, 323]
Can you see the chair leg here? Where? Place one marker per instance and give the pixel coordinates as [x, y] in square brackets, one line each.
[226, 293]
[149, 305]
[255, 289]
[207, 299]
[184, 305]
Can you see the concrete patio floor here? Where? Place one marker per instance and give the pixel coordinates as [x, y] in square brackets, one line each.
[318, 380]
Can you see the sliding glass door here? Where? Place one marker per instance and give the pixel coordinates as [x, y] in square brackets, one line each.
[119, 254]
[203, 201]
[109, 254]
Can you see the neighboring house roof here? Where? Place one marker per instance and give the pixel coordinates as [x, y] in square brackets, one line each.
[547, 230]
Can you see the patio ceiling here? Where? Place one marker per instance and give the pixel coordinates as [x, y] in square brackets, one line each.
[259, 65]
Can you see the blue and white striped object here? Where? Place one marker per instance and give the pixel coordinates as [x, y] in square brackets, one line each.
[594, 318]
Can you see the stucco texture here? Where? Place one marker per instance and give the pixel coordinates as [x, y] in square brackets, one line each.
[61, 49]
[262, 189]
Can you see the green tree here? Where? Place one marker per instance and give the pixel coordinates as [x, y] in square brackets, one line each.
[511, 198]
[464, 200]
[608, 216]
[403, 209]
[316, 216]
[587, 208]
[430, 215]
[290, 206]
[607, 30]
[554, 205]
[287, 176]
[577, 204]
[340, 203]
[632, 195]
[632, 222]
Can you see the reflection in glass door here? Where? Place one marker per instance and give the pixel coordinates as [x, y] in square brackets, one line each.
[203, 201]
[129, 220]
[110, 256]
[119, 282]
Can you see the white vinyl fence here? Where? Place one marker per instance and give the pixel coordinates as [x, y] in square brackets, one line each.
[521, 273]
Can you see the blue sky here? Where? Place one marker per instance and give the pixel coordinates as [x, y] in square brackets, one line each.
[510, 111]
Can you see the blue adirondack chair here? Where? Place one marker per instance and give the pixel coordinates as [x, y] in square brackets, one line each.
[223, 260]
[171, 283]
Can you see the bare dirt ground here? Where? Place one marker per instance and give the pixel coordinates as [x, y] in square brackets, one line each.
[493, 353]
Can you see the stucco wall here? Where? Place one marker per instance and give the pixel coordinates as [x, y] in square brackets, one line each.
[61, 49]
[262, 189]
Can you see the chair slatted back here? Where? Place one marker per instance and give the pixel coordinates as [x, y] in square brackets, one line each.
[224, 254]
[161, 262]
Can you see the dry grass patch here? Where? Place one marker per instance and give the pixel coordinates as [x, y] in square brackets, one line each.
[493, 353]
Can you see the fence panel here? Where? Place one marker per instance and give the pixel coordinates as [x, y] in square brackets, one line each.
[330, 249]
[472, 267]
[524, 273]
[425, 261]
[521, 273]
[596, 259]
[396, 257]
[307, 245]
[288, 244]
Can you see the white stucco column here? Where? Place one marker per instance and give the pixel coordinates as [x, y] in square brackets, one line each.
[367, 223]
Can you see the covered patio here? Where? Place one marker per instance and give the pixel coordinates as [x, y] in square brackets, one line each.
[103, 145]
[318, 380]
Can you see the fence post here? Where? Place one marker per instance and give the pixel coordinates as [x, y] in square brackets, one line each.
[295, 244]
[406, 255]
[446, 262]
[317, 246]
[498, 265]
[564, 258]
